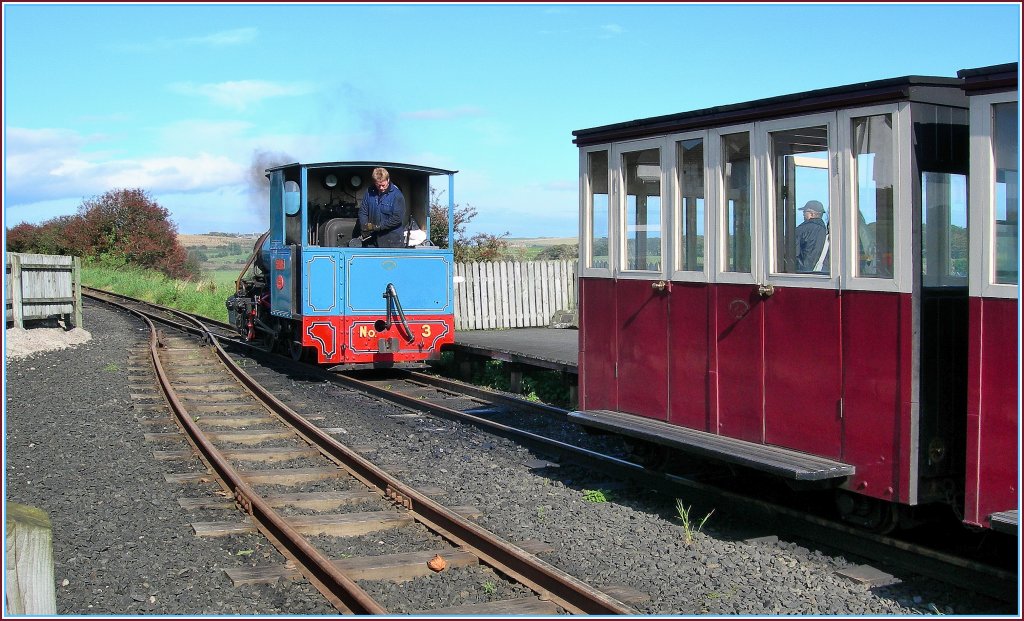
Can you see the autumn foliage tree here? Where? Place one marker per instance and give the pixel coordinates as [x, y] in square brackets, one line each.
[124, 225]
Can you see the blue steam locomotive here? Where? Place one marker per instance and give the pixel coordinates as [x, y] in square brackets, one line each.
[316, 289]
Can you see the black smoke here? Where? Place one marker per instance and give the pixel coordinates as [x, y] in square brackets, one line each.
[259, 184]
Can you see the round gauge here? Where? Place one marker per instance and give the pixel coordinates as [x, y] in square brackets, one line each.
[356, 181]
[331, 181]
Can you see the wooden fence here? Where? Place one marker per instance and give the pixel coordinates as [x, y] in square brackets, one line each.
[28, 555]
[509, 294]
[40, 286]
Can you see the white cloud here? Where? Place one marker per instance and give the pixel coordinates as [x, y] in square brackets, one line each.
[444, 113]
[240, 94]
[237, 36]
[604, 31]
[228, 209]
[183, 136]
[48, 164]
[38, 212]
[224, 38]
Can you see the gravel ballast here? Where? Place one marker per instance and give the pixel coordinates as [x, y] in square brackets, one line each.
[123, 546]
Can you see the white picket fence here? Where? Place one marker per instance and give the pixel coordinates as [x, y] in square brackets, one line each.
[511, 294]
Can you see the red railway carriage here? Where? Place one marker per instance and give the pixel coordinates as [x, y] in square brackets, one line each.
[789, 285]
[993, 396]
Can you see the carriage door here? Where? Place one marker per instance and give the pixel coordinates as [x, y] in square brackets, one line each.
[801, 302]
[941, 148]
[641, 291]
[736, 315]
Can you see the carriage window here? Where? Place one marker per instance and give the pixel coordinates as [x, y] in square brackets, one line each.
[642, 180]
[941, 147]
[736, 178]
[874, 171]
[800, 205]
[597, 176]
[944, 223]
[690, 159]
[1006, 191]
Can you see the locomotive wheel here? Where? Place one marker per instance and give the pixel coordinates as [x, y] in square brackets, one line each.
[295, 350]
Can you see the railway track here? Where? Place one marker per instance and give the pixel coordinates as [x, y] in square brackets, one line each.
[232, 423]
[505, 415]
[508, 416]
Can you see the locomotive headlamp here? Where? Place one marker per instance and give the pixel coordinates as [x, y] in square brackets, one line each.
[356, 181]
[330, 181]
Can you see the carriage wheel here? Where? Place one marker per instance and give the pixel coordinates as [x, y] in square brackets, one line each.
[647, 454]
[871, 514]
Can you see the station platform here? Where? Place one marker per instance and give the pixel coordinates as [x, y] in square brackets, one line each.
[555, 349]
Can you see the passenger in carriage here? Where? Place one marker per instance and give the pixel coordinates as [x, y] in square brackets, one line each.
[382, 213]
[812, 243]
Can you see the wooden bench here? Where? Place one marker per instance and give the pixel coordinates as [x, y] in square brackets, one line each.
[776, 460]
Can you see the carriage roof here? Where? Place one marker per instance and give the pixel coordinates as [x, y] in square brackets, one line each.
[929, 89]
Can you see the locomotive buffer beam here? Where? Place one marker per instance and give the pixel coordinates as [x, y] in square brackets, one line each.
[776, 460]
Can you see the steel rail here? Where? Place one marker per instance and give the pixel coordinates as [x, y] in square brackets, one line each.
[925, 561]
[343, 593]
[546, 580]
[549, 582]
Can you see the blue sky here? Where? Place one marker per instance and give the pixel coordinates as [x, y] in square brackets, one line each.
[187, 100]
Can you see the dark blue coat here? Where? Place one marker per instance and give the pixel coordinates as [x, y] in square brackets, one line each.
[810, 240]
[386, 211]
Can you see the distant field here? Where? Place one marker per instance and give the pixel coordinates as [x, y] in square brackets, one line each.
[230, 252]
[219, 253]
[212, 241]
[542, 242]
[216, 241]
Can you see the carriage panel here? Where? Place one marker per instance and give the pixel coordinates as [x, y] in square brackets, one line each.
[992, 412]
[642, 332]
[689, 356]
[803, 370]
[597, 344]
[877, 392]
[740, 367]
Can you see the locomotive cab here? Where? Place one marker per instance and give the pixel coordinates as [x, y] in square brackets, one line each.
[314, 289]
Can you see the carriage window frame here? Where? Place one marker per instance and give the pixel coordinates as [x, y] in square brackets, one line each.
[767, 190]
[619, 228]
[901, 280]
[676, 215]
[587, 212]
[981, 274]
[716, 184]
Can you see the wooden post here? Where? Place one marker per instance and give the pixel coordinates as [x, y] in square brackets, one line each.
[29, 567]
[572, 381]
[76, 287]
[515, 379]
[463, 365]
[17, 312]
